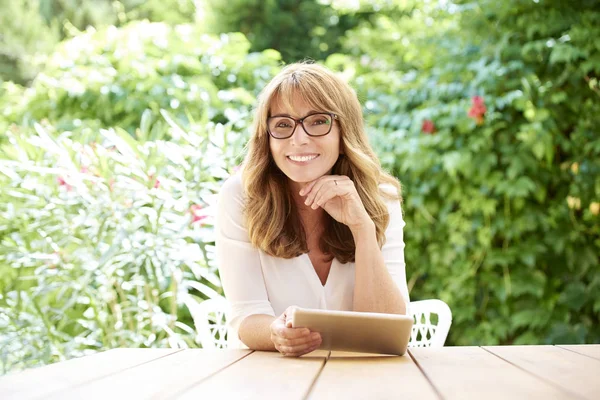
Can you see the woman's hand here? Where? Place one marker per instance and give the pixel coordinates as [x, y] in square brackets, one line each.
[293, 342]
[337, 195]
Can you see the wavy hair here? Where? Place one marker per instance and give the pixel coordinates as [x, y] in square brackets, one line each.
[270, 213]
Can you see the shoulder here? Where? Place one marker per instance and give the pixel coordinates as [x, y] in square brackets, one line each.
[232, 186]
[231, 195]
[392, 199]
[232, 190]
[388, 189]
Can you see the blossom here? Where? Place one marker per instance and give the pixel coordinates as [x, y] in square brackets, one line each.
[595, 208]
[477, 110]
[428, 126]
[156, 182]
[62, 182]
[197, 213]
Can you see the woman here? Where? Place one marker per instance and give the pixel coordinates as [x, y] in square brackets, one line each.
[305, 222]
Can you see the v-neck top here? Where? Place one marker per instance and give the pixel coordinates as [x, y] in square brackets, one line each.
[257, 283]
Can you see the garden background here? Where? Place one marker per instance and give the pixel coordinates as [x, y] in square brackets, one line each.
[119, 120]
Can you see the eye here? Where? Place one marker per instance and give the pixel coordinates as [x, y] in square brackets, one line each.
[283, 124]
[321, 121]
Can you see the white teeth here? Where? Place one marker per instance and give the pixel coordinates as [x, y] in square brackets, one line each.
[302, 159]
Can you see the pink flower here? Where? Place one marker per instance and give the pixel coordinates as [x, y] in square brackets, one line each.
[477, 110]
[156, 182]
[63, 182]
[428, 126]
[197, 214]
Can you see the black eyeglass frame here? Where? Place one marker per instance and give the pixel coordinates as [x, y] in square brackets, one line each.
[301, 121]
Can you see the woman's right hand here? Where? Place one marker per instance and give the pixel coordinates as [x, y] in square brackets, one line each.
[292, 342]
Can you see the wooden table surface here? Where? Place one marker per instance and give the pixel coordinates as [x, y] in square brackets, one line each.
[496, 372]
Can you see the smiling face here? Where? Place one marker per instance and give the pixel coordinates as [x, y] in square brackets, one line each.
[303, 158]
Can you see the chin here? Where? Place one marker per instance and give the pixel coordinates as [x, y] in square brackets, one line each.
[304, 177]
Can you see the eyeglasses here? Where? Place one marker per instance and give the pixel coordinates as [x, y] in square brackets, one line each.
[317, 124]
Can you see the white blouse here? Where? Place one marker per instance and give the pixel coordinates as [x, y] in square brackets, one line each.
[257, 283]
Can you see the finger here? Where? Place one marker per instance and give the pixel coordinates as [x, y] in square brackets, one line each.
[307, 188]
[288, 315]
[299, 349]
[315, 190]
[327, 194]
[312, 339]
[292, 333]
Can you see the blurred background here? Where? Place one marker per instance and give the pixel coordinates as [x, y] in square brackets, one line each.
[119, 120]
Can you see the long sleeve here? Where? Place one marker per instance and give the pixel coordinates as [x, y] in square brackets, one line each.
[238, 261]
[393, 249]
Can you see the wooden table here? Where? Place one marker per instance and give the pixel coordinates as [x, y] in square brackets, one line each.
[501, 372]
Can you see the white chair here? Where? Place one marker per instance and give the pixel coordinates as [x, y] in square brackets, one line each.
[210, 318]
[425, 332]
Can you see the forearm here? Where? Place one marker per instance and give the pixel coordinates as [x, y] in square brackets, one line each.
[374, 288]
[255, 332]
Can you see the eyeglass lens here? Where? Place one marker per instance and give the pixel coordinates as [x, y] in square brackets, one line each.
[315, 125]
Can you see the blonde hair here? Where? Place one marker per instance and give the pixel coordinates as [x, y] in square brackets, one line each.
[270, 213]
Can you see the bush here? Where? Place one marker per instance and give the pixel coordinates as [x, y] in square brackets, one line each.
[489, 116]
[302, 29]
[105, 232]
[108, 78]
[102, 243]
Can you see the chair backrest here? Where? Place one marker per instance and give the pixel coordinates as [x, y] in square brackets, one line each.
[210, 320]
[432, 320]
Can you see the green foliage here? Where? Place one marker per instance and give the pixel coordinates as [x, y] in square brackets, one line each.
[105, 161]
[502, 213]
[108, 78]
[23, 35]
[29, 29]
[101, 244]
[299, 29]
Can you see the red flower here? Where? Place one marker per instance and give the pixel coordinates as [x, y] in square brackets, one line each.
[63, 182]
[428, 126]
[197, 214]
[477, 110]
[156, 182]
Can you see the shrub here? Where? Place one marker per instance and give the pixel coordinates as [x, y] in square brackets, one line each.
[488, 113]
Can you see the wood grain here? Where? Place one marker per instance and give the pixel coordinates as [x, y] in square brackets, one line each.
[44, 381]
[474, 373]
[371, 376]
[157, 379]
[571, 371]
[590, 350]
[261, 375]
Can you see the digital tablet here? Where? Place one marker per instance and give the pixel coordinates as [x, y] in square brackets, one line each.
[362, 332]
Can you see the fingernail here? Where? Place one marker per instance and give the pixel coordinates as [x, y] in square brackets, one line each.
[315, 336]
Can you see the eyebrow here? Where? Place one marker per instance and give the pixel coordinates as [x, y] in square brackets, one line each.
[289, 116]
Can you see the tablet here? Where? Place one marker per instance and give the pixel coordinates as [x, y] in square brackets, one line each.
[363, 332]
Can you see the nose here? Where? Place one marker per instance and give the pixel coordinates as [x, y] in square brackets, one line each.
[299, 137]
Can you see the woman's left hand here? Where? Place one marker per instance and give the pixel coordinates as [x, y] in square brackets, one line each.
[337, 195]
